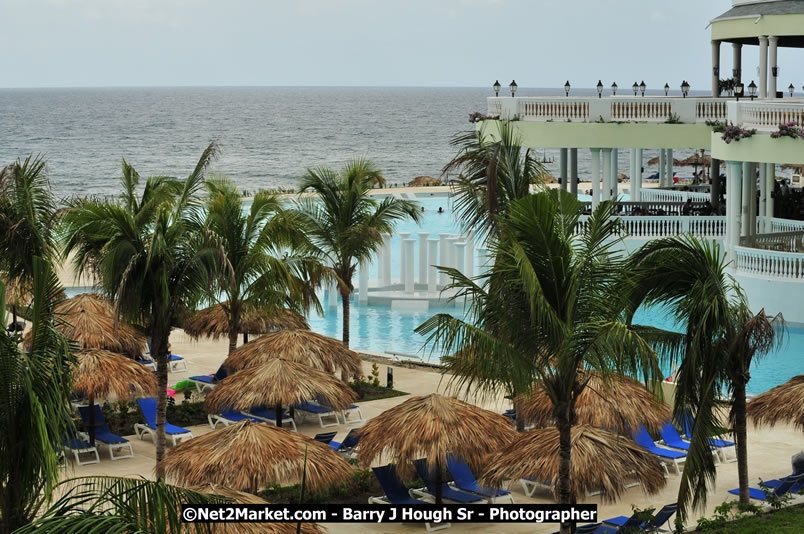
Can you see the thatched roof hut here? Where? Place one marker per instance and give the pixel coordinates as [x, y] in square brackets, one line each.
[102, 374]
[783, 403]
[248, 456]
[302, 346]
[279, 382]
[655, 161]
[601, 460]
[214, 322]
[423, 181]
[619, 403]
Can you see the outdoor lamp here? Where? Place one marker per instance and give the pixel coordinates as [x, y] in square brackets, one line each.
[739, 89]
[791, 89]
[497, 87]
[614, 89]
[513, 87]
[600, 89]
[685, 88]
[666, 89]
[642, 87]
[635, 87]
[567, 88]
[752, 89]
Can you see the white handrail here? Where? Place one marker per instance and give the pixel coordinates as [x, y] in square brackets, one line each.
[770, 263]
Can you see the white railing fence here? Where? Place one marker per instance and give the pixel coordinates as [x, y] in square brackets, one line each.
[766, 115]
[664, 195]
[649, 227]
[769, 263]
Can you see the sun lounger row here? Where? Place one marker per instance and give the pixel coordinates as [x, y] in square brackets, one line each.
[258, 415]
[793, 483]
[630, 524]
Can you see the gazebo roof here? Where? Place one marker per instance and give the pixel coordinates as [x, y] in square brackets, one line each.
[777, 7]
[729, 28]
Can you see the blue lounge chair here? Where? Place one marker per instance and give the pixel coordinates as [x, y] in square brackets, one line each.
[148, 409]
[345, 413]
[147, 362]
[348, 444]
[325, 437]
[203, 382]
[104, 435]
[593, 528]
[78, 447]
[396, 493]
[229, 418]
[719, 444]
[792, 483]
[671, 438]
[642, 438]
[662, 517]
[447, 492]
[317, 410]
[464, 479]
[174, 361]
[269, 416]
[530, 485]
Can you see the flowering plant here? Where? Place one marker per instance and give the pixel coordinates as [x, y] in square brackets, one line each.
[735, 133]
[476, 116]
[789, 129]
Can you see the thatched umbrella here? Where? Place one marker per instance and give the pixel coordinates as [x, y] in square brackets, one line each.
[89, 320]
[783, 403]
[654, 161]
[421, 181]
[214, 322]
[601, 460]
[620, 403]
[303, 346]
[278, 382]
[433, 426]
[102, 374]
[248, 456]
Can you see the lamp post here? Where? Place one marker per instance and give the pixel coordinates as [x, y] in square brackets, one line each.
[512, 86]
[752, 89]
[566, 88]
[791, 89]
[600, 89]
[666, 89]
[642, 87]
[739, 89]
[614, 89]
[685, 88]
[497, 87]
[635, 87]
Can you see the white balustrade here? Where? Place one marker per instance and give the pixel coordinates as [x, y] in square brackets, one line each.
[649, 227]
[764, 115]
[769, 263]
[665, 195]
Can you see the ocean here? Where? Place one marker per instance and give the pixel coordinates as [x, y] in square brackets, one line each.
[269, 136]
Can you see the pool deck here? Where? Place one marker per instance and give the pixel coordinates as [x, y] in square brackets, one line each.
[769, 451]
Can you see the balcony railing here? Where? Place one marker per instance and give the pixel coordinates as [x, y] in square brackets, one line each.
[663, 195]
[770, 264]
[766, 115]
[611, 109]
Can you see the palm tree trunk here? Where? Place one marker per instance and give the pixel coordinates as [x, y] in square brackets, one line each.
[740, 435]
[345, 298]
[234, 320]
[245, 338]
[160, 332]
[564, 463]
[232, 339]
[439, 499]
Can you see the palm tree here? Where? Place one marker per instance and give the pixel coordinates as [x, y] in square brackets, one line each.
[263, 255]
[346, 223]
[148, 254]
[34, 406]
[720, 339]
[548, 312]
[492, 172]
[27, 221]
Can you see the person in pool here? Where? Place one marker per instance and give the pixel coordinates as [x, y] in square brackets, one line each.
[440, 209]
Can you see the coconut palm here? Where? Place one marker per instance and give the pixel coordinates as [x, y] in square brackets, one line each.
[34, 406]
[721, 338]
[27, 221]
[346, 223]
[257, 269]
[492, 172]
[548, 310]
[148, 253]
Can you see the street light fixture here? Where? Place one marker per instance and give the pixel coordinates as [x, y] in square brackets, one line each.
[642, 87]
[752, 89]
[791, 89]
[497, 87]
[739, 90]
[512, 86]
[600, 89]
[567, 88]
[635, 87]
[614, 89]
[666, 89]
[685, 88]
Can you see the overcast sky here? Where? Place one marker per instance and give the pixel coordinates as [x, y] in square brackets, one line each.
[540, 43]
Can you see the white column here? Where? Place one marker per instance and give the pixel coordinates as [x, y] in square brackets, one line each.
[362, 292]
[763, 194]
[563, 168]
[333, 295]
[606, 174]
[469, 259]
[615, 170]
[483, 260]
[386, 261]
[443, 258]
[763, 66]
[380, 263]
[669, 156]
[631, 173]
[737, 62]
[638, 187]
[745, 214]
[402, 252]
[770, 176]
[407, 279]
[715, 68]
[752, 198]
[573, 171]
[432, 272]
[460, 252]
[734, 188]
[662, 169]
[451, 254]
[423, 258]
[595, 177]
[773, 67]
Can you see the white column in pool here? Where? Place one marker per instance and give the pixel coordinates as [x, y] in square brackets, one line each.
[773, 70]
[402, 252]
[763, 195]
[380, 260]
[432, 272]
[423, 258]
[763, 66]
[469, 258]
[770, 176]
[563, 168]
[386, 260]
[362, 292]
[451, 253]
[443, 258]
[573, 171]
[460, 253]
[333, 295]
[745, 214]
[669, 157]
[595, 177]
[408, 246]
[734, 187]
[662, 168]
[606, 174]
[636, 194]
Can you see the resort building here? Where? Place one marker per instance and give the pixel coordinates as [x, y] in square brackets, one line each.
[766, 251]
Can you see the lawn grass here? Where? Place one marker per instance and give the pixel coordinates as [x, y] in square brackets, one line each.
[788, 520]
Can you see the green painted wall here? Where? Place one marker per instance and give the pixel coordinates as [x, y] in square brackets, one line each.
[767, 25]
[760, 149]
